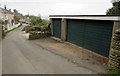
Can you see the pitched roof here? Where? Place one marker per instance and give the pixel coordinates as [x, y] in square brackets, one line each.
[5, 11]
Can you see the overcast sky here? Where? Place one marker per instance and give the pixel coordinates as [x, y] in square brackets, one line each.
[59, 7]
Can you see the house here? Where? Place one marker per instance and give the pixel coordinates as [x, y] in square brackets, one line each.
[1, 14]
[27, 21]
[92, 32]
[8, 17]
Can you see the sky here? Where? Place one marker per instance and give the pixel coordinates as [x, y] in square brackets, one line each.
[58, 7]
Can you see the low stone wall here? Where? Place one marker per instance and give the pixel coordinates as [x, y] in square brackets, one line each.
[38, 34]
[114, 59]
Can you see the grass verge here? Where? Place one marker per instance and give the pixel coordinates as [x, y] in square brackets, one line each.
[13, 29]
[3, 36]
[114, 72]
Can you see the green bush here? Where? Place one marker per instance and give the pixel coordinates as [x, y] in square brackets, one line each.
[115, 10]
[43, 25]
[34, 21]
[27, 29]
[37, 21]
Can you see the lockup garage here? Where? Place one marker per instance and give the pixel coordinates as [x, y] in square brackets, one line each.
[93, 32]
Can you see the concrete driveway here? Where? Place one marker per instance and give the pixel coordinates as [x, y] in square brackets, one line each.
[21, 56]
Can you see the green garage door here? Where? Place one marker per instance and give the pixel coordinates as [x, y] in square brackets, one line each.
[57, 28]
[75, 31]
[93, 35]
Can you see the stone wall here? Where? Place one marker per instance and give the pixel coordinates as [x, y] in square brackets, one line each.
[114, 59]
[38, 34]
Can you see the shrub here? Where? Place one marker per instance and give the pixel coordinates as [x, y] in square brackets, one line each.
[34, 21]
[28, 29]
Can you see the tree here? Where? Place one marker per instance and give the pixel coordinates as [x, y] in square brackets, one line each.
[15, 11]
[35, 19]
[111, 11]
[115, 10]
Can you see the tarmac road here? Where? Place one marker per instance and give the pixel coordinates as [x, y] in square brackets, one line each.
[21, 56]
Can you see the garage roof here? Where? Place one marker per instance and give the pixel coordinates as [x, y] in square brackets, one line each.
[89, 17]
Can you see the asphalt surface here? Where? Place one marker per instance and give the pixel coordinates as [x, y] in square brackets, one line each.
[21, 56]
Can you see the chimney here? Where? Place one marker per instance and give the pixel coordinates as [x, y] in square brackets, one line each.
[5, 7]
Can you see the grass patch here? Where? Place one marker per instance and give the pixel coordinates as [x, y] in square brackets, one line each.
[5, 33]
[13, 29]
[114, 72]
